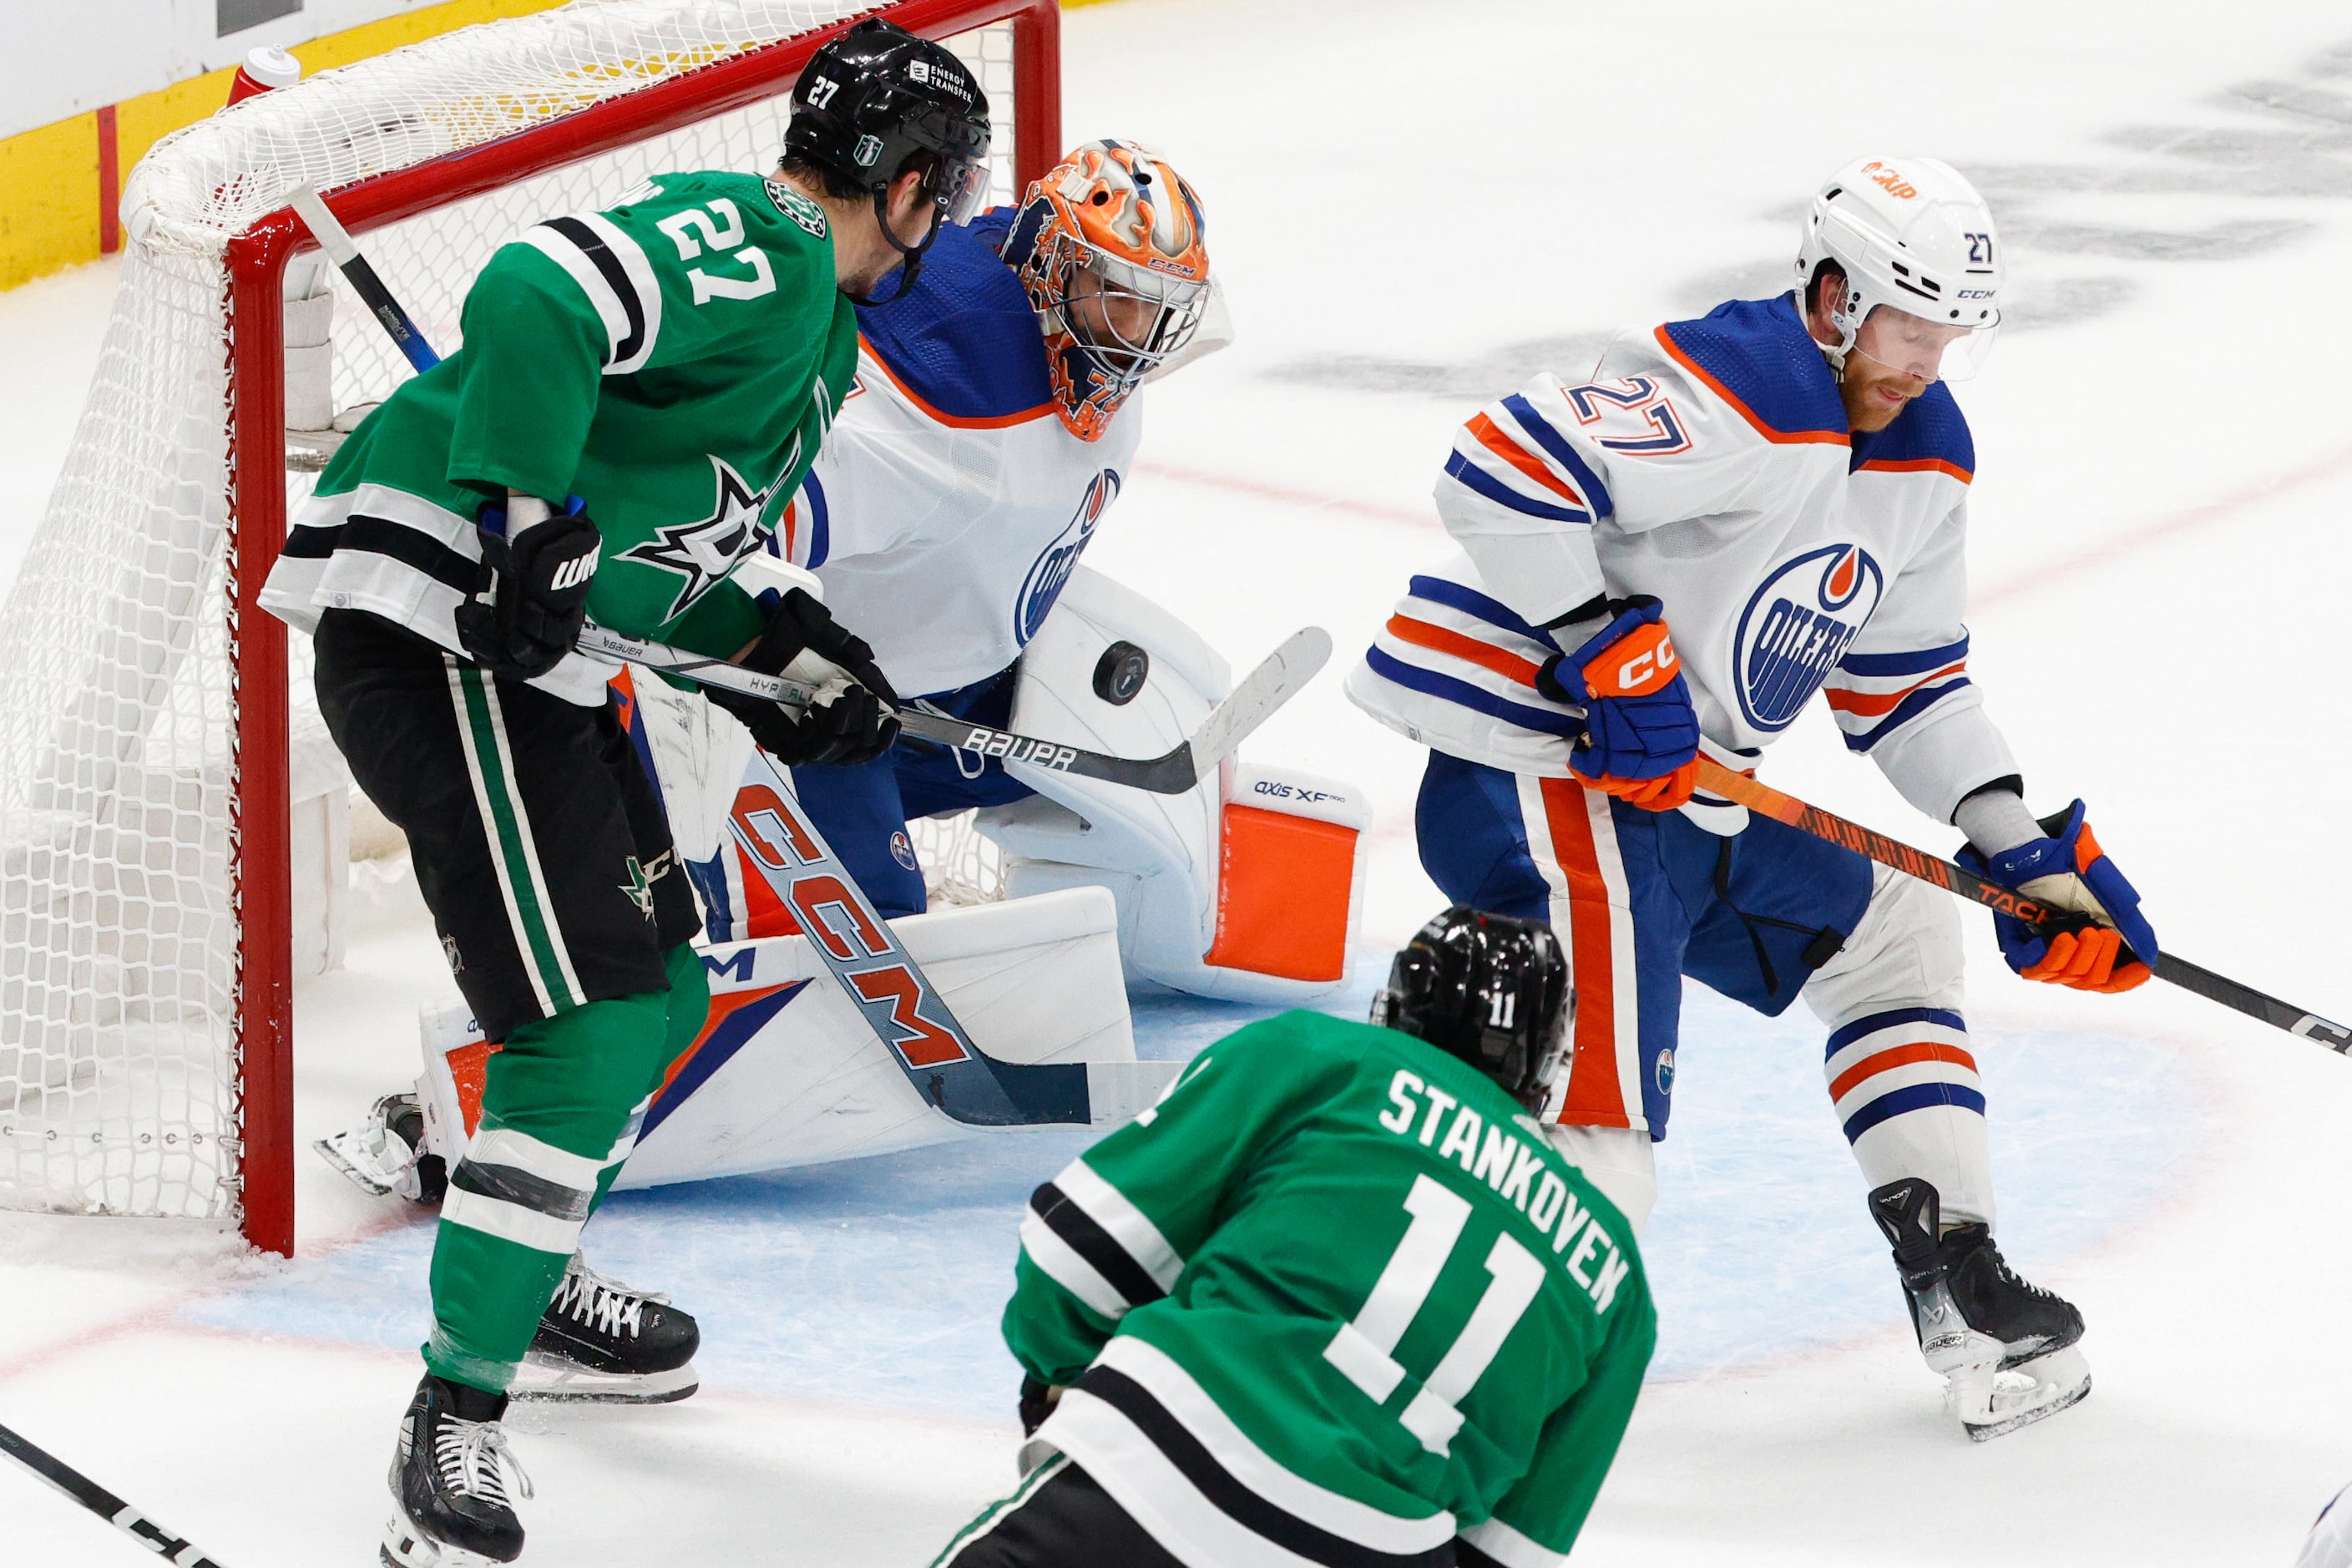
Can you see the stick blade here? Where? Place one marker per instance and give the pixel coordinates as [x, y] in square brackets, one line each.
[1273, 682]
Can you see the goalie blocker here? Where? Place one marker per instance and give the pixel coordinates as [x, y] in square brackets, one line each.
[1247, 886]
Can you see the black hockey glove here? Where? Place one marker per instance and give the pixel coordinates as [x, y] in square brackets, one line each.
[539, 596]
[1037, 1401]
[852, 727]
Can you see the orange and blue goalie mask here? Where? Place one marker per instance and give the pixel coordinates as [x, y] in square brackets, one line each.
[1109, 247]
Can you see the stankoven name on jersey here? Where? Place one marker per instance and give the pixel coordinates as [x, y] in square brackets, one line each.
[1797, 625]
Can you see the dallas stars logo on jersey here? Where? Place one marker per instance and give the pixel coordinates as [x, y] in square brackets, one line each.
[705, 551]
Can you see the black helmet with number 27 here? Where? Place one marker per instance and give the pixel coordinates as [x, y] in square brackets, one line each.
[871, 101]
[1490, 989]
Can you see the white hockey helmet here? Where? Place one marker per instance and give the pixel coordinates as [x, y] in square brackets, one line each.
[1911, 235]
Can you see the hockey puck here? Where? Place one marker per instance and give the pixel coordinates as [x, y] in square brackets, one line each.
[1121, 673]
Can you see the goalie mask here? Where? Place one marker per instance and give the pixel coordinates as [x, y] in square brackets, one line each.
[1923, 269]
[1489, 989]
[1108, 246]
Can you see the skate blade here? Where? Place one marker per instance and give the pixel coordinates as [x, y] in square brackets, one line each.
[1995, 1406]
[405, 1546]
[348, 1153]
[543, 1379]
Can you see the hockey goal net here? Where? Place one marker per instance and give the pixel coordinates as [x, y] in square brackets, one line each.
[147, 778]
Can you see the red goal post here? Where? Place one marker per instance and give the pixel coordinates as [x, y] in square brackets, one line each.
[80, 1129]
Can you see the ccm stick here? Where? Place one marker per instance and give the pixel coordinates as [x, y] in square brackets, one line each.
[1263, 691]
[1763, 799]
[150, 1536]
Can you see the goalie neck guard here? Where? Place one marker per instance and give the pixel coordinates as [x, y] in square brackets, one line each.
[1110, 245]
[876, 99]
[1490, 989]
[1910, 235]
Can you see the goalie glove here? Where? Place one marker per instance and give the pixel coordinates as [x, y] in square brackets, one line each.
[538, 593]
[2104, 942]
[852, 724]
[1641, 732]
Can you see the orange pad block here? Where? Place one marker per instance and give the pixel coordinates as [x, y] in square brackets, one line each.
[1282, 895]
[469, 1067]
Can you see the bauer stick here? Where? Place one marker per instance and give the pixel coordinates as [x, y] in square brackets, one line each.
[1264, 689]
[150, 1536]
[1956, 878]
[897, 1001]
[1273, 683]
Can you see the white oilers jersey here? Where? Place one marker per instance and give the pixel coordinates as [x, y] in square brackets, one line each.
[1707, 463]
[949, 505]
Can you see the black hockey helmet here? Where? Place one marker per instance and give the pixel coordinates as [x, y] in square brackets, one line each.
[873, 97]
[1490, 989]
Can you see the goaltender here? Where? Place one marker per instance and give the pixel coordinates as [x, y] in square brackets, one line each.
[1335, 1299]
[640, 391]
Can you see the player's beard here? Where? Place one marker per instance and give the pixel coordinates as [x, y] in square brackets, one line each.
[1868, 403]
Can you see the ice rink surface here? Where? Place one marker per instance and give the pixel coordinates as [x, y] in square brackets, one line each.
[1413, 207]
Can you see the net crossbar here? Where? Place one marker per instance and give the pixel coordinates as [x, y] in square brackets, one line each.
[145, 976]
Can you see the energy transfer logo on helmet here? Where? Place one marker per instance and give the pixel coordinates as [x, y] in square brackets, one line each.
[1797, 625]
[1109, 247]
[1910, 235]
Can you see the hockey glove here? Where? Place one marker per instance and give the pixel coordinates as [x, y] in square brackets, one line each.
[1641, 733]
[1038, 1402]
[2102, 942]
[803, 642]
[539, 595]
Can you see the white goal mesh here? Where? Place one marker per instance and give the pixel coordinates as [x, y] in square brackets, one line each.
[128, 995]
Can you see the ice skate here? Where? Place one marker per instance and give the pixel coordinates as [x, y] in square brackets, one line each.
[603, 1342]
[2006, 1348]
[385, 1154]
[448, 1482]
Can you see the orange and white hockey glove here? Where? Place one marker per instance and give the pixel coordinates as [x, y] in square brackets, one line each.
[1641, 733]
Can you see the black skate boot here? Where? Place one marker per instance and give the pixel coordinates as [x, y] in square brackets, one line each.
[2005, 1347]
[448, 1488]
[385, 1154]
[603, 1342]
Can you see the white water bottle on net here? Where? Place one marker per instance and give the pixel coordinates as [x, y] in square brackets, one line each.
[169, 808]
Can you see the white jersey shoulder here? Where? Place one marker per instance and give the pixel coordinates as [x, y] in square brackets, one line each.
[1707, 463]
[948, 504]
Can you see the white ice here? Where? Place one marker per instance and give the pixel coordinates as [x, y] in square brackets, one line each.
[1414, 205]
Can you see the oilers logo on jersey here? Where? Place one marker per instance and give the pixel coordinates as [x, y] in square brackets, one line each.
[1797, 624]
[1051, 572]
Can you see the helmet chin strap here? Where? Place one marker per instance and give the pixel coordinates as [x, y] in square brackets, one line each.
[910, 257]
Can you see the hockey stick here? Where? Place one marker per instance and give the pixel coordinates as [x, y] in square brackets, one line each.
[1264, 689]
[150, 1536]
[886, 985]
[1273, 683]
[344, 252]
[1785, 808]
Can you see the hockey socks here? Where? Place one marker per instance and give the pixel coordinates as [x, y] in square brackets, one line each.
[561, 1102]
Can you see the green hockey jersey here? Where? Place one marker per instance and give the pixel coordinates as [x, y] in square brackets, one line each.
[1334, 1299]
[673, 361]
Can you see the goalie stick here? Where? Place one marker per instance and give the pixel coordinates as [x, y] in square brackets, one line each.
[1786, 808]
[886, 985]
[150, 1536]
[1264, 689]
[1273, 683]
